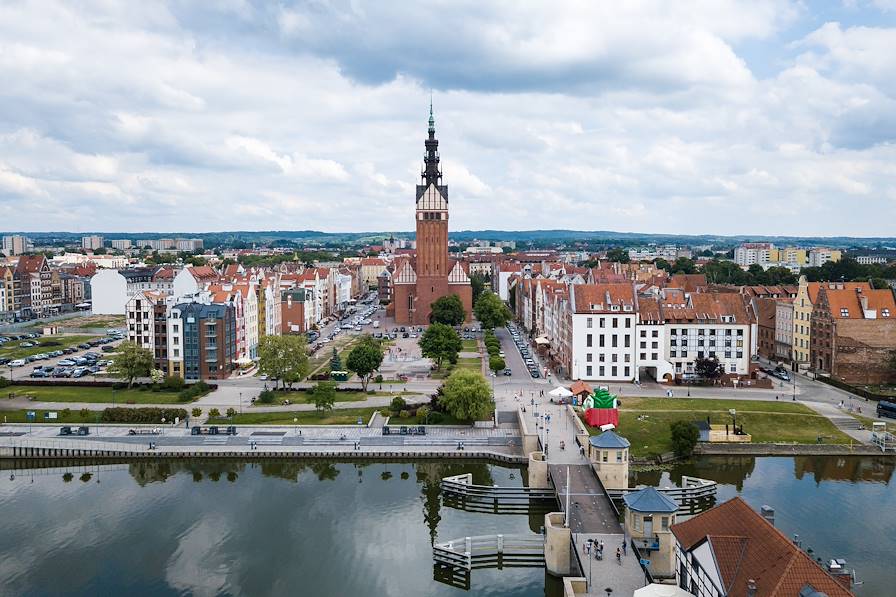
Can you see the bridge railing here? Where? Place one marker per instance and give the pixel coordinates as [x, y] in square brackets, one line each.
[490, 550]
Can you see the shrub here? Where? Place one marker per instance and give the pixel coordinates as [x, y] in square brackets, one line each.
[85, 413]
[231, 412]
[196, 390]
[404, 414]
[422, 412]
[214, 413]
[267, 396]
[378, 379]
[142, 415]
[398, 403]
[174, 383]
[684, 438]
[196, 412]
[66, 413]
[435, 418]
[4, 382]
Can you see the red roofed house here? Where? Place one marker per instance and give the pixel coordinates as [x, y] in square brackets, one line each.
[853, 334]
[733, 551]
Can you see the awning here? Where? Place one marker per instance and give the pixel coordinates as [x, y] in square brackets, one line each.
[657, 590]
[542, 340]
[560, 392]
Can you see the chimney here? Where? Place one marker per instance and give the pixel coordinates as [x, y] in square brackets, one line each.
[768, 513]
[751, 588]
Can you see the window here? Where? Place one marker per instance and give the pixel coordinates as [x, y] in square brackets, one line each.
[628, 341]
[588, 371]
[884, 312]
[603, 455]
[601, 370]
[601, 322]
[615, 322]
[615, 341]
[588, 357]
[589, 322]
[588, 341]
[654, 345]
[653, 356]
[664, 523]
[654, 334]
[643, 356]
[733, 368]
[628, 323]
[627, 370]
[844, 312]
[618, 455]
[600, 340]
[643, 333]
[613, 370]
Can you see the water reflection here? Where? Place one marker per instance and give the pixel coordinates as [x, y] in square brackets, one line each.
[256, 528]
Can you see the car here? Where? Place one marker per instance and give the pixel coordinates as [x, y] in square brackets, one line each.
[27, 344]
[58, 372]
[16, 363]
[508, 372]
[413, 335]
[263, 377]
[66, 363]
[3, 361]
[39, 373]
[68, 350]
[535, 374]
[405, 335]
[80, 372]
[84, 346]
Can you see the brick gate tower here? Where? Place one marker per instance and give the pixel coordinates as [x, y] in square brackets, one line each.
[431, 275]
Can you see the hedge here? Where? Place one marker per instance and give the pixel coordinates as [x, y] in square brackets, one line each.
[142, 415]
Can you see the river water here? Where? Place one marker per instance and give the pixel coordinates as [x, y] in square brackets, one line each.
[342, 528]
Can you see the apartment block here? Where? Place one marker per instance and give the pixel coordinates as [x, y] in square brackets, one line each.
[91, 243]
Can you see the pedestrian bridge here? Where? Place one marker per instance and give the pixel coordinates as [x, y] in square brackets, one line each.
[491, 551]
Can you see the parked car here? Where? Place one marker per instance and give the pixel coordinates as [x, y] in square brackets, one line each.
[17, 363]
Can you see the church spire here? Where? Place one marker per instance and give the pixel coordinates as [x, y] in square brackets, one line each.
[431, 173]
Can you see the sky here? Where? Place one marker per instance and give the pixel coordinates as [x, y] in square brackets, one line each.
[692, 117]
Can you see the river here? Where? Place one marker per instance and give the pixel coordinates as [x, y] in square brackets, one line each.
[343, 528]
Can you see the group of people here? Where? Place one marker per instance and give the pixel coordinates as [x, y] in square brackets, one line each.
[598, 548]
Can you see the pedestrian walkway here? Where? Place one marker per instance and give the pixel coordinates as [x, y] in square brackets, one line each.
[624, 575]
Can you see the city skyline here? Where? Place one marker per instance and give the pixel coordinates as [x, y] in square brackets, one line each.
[727, 120]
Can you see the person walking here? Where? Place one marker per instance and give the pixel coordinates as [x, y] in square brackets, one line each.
[623, 546]
[619, 556]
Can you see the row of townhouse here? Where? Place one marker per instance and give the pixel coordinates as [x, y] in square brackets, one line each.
[617, 331]
[234, 309]
[30, 287]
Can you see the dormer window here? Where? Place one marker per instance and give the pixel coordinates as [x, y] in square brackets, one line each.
[884, 312]
[844, 312]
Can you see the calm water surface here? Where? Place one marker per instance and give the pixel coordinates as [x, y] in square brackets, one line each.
[840, 507]
[228, 528]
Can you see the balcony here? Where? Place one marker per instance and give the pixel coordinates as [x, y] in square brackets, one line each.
[647, 543]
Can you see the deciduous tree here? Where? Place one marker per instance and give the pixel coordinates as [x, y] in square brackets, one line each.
[324, 395]
[130, 362]
[364, 359]
[491, 311]
[467, 396]
[448, 310]
[283, 357]
[441, 343]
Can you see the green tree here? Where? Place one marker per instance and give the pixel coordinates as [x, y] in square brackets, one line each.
[617, 254]
[683, 265]
[496, 363]
[684, 438]
[130, 362]
[283, 357]
[467, 396]
[323, 395]
[364, 359]
[491, 311]
[335, 361]
[448, 310]
[441, 343]
[398, 404]
[477, 282]
[708, 368]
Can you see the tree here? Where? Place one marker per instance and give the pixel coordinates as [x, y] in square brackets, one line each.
[709, 368]
[496, 363]
[684, 438]
[323, 395]
[491, 311]
[448, 310]
[365, 359]
[683, 265]
[398, 404]
[619, 255]
[441, 343]
[283, 357]
[335, 361]
[157, 376]
[477, 282]
[130, 362]
[467, 396]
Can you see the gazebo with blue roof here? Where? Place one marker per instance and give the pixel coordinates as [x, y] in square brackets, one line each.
[649, 516]
[608, 452]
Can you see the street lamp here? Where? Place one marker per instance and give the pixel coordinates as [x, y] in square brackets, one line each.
[241, 403]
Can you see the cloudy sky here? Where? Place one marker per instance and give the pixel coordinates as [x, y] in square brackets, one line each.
[711, 116]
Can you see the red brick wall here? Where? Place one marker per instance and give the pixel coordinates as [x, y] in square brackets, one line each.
[861, 350]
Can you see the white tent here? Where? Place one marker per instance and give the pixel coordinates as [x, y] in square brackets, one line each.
[657, 590]
[560, 392]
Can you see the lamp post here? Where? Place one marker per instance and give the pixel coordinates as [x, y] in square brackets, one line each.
[241, 403]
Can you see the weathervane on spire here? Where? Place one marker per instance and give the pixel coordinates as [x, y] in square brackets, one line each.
[432, 121]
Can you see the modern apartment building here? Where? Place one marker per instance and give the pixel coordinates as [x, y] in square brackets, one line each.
[749, 253]
[16, 245]
[121, 244]
[604, 322]
[146, 322]
[91, 243]
[201, 340]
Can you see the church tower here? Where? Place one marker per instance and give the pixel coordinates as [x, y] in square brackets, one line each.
[433, 274]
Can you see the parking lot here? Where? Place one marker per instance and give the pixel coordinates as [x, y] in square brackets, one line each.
[85, 359]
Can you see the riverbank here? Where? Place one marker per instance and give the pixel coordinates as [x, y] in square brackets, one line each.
[857, 449]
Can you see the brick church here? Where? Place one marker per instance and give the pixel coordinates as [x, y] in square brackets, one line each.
[430, 274]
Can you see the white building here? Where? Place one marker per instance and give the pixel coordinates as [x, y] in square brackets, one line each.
[16, 245]
[604, 322]
[749, 253]
[121, 244]
[108, 291]
[821, 255]
[92, 242]
[872, 259]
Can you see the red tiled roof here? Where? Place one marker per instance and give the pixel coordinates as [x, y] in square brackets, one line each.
[30, 264]
[204, 272]
[598, 298]
[746, 547]
[847, 304]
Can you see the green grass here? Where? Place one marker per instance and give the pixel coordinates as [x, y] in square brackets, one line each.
[73, 416]
[95, 395]
[82, 321]
[766, 422]
[12, 350]
[881, 390]
[304, 397]
[470, 346]
[342, 416]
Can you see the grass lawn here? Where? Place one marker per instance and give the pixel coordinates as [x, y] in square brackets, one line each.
[767, 422]
[83, 321]
[304, 397]
[343, 416]
[473, 364]
[867, 421]
[95, 395]
[470, 346]
[12, 350]
[73, 416]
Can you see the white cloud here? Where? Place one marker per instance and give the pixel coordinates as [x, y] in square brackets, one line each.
[637, 116]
